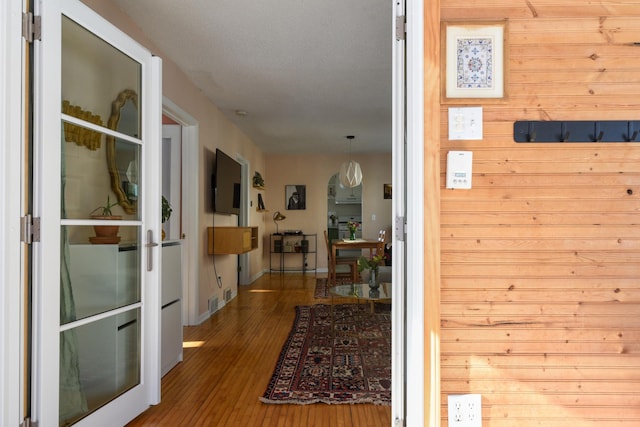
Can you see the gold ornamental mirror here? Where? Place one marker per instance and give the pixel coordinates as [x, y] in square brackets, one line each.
[123, 153]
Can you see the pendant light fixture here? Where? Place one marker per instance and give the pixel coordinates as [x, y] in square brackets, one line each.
[350, 171]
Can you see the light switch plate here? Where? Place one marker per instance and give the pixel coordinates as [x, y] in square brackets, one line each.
[465, 123]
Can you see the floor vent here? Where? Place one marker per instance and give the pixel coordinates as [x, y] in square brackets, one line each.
[213, 305]
[227, 295]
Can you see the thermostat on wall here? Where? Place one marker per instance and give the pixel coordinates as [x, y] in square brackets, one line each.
[459, 165]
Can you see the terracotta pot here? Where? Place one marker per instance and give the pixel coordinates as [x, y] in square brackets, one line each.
[106, 233]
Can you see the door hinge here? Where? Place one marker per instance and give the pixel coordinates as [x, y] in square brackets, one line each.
[28, 423]
[31, 27]
[29, 229]
[401, 28]
[401, 228]
[399, 422]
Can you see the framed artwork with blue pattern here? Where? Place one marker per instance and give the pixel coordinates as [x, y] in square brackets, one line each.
[474, 59]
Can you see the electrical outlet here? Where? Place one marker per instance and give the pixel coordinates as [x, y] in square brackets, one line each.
[465, 410]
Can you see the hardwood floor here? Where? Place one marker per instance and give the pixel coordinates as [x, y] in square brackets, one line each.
[229, 359]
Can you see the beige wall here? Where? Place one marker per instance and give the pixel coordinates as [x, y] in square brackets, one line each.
[215, 131]
[315, 172]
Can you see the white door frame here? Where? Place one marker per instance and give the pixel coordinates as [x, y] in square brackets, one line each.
[190, 203]
[408, 161]
[12, 70]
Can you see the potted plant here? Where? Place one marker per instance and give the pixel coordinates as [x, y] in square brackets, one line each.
[166, 214]
[105, 233]
[258, 181]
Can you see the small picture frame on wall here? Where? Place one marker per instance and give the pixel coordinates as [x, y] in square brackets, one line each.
[474, 58]
[386, 191]
[331, 191]
[296, 197]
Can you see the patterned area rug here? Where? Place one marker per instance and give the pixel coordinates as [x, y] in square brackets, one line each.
[350, 363]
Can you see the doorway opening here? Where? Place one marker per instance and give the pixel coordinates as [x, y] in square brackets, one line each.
[188, 225]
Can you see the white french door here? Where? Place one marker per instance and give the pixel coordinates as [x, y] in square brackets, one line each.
[399, 326]
[408, 362]
[97, 131]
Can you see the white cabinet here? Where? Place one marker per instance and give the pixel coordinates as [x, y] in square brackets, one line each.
[348, 195]
[171, 343]
[103, 277]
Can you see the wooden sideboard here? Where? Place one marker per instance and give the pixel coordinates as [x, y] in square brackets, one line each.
[231, 240]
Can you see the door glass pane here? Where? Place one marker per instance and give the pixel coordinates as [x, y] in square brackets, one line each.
[90, 181]
[94, 74]
[101, 86]
[106, 363]
[101, 277]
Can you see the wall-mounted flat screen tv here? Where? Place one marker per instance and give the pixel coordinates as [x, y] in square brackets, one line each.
[225, 182]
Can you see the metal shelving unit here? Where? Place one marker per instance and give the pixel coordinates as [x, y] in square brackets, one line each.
[293, 252]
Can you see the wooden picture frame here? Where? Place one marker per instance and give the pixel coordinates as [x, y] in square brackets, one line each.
[387, 191]
[295, 197]
[474, 61]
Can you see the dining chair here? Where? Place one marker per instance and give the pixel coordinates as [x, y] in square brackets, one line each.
[351, 264]
[382, 241]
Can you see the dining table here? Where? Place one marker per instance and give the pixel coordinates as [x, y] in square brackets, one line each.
[338, 244]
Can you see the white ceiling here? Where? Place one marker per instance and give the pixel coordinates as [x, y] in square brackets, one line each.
[307, 72]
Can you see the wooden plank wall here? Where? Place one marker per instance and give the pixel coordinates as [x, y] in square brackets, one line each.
[540, 288]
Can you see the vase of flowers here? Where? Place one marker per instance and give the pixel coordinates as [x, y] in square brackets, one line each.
[373, 278]
[353, 227]
[371, 264]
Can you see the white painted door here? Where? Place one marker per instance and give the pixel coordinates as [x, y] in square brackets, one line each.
[97, 130]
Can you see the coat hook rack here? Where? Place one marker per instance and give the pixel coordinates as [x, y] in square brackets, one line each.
[576, 131]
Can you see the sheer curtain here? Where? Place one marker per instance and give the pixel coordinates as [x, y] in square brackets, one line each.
[72, 399]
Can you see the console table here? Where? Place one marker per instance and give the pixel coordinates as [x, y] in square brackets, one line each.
[231, 240]
[293, 252]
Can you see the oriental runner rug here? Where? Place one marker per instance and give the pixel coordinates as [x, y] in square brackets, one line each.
[322, 287]
[339, 357]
